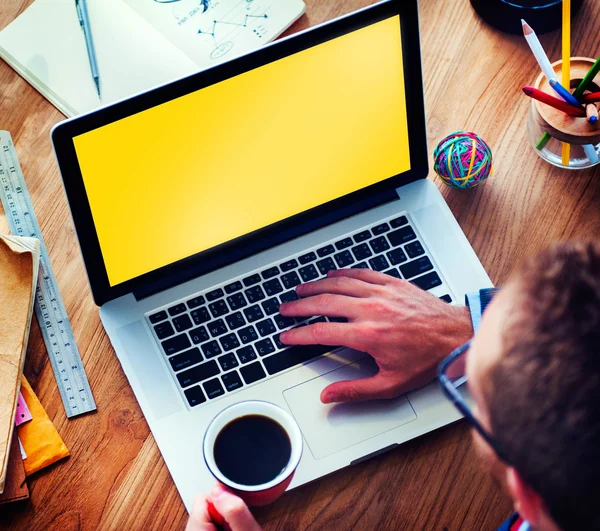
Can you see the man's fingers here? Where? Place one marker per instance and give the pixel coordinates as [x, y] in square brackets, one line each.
[332, 334]
[340, 285]
[366, 275]
[234, 511]
[377, 386]
[199, 518]
[324, 304]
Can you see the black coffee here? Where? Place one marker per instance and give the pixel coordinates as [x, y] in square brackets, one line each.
[252, 450]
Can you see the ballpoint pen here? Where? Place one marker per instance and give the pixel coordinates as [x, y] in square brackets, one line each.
[84, 21]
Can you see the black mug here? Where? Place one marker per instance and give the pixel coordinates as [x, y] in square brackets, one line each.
[506, 15]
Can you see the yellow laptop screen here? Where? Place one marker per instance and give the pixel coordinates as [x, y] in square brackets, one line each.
[237, 156]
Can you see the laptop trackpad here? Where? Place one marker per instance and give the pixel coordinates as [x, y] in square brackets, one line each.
[329, 428]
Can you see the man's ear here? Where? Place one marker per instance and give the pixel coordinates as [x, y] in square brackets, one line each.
[528, 502]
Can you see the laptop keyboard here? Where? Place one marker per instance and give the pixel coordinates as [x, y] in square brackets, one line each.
[227, 337]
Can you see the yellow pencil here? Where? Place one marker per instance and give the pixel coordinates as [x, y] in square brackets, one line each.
[566, 65]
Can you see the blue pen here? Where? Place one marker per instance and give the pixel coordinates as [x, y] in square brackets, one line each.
[84, 21]
[564, 93]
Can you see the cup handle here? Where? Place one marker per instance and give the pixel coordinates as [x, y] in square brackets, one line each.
[217, 518]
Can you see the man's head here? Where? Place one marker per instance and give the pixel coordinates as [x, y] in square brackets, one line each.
[534, 374]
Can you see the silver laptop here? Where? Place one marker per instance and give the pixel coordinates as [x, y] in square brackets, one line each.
[201, 205]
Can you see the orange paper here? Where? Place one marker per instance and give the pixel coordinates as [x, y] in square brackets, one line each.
[41, 442]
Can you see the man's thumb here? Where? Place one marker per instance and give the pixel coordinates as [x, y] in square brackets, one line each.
[377, 386]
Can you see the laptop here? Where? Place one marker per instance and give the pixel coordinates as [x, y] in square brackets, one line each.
[200, 205]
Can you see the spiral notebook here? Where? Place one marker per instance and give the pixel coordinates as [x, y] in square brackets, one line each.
[139, 43]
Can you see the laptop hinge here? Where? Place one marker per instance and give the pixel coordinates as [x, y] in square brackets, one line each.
[230, 252]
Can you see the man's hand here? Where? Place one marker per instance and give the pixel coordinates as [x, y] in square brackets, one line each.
[233, 510]
[406, 330]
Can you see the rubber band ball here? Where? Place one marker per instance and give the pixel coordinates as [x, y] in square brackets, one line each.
[463, 160]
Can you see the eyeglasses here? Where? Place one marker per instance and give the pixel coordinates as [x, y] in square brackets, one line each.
[453, 379]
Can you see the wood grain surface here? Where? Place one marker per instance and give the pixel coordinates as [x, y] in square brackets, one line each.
[115, 477]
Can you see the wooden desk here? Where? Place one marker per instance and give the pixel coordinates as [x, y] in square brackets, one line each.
[116, 479]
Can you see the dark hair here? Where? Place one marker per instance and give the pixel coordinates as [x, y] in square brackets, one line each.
[544, 401]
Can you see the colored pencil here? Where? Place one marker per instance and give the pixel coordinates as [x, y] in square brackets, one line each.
[590, 151]
[566, 67]
[592, 113]
[564, 93]
[538, 51]
[546, 98]
[592, 97]
[589, 77]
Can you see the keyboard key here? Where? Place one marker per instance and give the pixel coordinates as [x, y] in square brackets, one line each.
[270, 273]
[211, 349]
[337, 320]
[177, 309]
[379, 245]
[306, 258]
[393, 273]
[235, 320]
[273, 287]
[360, 265]
[218, 308]
[324, 251]
[397, 256]
[317, 320]
[157, 317]
[344, 259]
[361, 251]
[251, 280]
[233, 287]
[446, 298]
[428, 281]
[228, 361]
[200, 316]
[293, 356]
[254, 294]
[246, 354]
[229, 342]
[283, 322]
[289, 297]
[248, 334]
[195, 302]
[164, 330]
[362, 236]
[236, 301]
[271, 306]
[194, 396]
[199, 373]
[325, 265]
[176, 344]
[290, 280]
[183, 322]
[278, 344]
[266, 327]
[289, 265]
[199, 335]
[414, 249]
[214, 294]
[213, 388]
[380, 229]
[416, 267]
[232, 381]
[253, 372]
[264, 347]
[186, 359]
[254, 313]
[379, 263]
[400, 236]
[398, 222]
[217, 327]
[344, 244]
[308, 273]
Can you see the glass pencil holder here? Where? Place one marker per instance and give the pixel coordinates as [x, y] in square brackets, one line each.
[549, 129]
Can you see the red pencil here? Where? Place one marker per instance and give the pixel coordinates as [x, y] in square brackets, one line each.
[590, 98]
[571, 110]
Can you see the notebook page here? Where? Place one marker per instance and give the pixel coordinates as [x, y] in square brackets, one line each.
[213, 31]
[46, 46]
